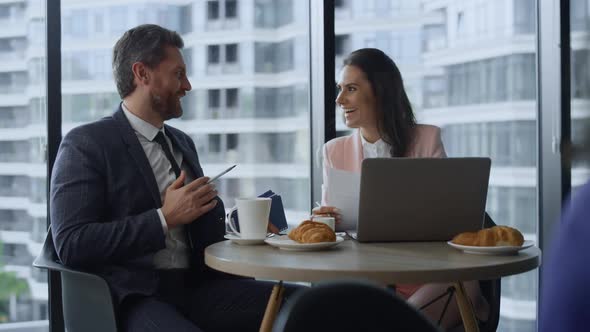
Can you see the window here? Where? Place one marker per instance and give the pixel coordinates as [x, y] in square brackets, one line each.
[186, 20]
[580, 91]
[579, 15]
[232, 141]
[98, 23]
[214, 98]
[274, 57]
[274, 14]
[461, 24]
[498, 79]
[212, 10]
[213, 54]
[22, 91]
[117, 20]
[341, 44]
[231, 8]
[22, 94]
[231, 53]
[215, 143]
[232, 98]
[4, 11]
[580, 64]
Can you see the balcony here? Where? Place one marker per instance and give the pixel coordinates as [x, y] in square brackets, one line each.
[13, 27]
[13, 89]
[223, 24]
[24, 225]
[17, 259]
[12, 61]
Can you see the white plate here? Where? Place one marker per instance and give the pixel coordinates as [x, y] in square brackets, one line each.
[285, 243]
[505, 250]
[244, 242]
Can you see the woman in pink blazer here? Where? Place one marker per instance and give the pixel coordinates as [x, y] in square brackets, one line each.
[373, 100]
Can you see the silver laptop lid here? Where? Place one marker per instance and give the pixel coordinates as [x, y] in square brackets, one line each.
[422, 199]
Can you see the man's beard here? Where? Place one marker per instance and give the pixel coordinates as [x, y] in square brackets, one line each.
[168, 108]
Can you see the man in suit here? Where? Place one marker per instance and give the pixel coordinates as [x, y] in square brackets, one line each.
[129, 202]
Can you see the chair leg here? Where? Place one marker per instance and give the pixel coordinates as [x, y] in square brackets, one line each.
[449, 294]
[466, 309]
[272, 308]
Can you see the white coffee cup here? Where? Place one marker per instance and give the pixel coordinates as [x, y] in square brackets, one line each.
[330, 221]
[253, 217]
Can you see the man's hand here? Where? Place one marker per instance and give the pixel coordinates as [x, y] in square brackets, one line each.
[183, 204]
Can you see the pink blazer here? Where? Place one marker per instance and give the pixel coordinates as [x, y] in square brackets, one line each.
[346, 153]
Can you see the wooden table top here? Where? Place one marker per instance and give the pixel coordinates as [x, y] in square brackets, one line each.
[387, 263]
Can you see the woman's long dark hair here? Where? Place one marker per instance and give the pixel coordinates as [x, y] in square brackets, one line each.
[396, 118]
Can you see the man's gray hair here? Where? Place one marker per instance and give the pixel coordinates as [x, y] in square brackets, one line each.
[146, 44]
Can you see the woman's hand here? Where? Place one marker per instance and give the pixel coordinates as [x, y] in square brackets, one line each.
[327, 211]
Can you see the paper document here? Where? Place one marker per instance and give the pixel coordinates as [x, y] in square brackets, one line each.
[342, 191]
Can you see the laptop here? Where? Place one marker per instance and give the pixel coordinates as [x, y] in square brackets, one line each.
[422, 199]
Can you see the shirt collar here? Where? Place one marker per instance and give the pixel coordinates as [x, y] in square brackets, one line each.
[379, 144]
[141, 126]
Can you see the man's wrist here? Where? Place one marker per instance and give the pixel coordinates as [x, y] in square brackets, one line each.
[163, 221]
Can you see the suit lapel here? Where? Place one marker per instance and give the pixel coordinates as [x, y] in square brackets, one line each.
[139, 157]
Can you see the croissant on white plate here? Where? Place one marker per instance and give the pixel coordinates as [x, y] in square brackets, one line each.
[491, 237]
[312, 232]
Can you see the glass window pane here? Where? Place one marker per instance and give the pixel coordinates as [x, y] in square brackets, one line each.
[23, 138]
[231, 53]
[213, 54]
[231, 8]
[233, 114]
[462, 74]
[212, 10]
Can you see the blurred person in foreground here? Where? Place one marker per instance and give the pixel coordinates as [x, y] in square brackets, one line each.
[565, 283]
[129, 202]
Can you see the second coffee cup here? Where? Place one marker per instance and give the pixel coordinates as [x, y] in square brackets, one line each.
[330, 221]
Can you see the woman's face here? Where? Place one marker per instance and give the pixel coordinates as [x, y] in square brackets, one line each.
[356, 99]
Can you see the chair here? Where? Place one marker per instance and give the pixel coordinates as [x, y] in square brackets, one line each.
[349, 306]
[87, 302]
[490, 290]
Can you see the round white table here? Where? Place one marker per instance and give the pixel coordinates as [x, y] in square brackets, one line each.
[385, 263]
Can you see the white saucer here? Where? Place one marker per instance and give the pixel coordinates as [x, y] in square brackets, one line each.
[285, 243]
[504, 250]
[242, 241]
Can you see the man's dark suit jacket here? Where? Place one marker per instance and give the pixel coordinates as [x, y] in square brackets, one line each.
[103, 205]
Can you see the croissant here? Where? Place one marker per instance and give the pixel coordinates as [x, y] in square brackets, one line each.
[312, 232]
[491, 237]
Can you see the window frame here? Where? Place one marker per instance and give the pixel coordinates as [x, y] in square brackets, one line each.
[552, 170]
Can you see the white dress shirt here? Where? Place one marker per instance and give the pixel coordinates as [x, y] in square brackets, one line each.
[379, 149]
[176, 254]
